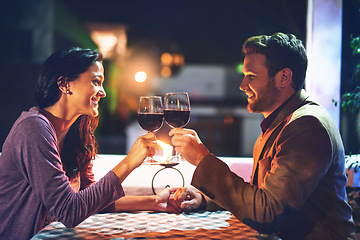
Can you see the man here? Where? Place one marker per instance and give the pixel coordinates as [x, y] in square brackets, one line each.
[297, 188]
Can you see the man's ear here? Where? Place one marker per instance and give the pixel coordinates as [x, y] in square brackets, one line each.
[284, 78]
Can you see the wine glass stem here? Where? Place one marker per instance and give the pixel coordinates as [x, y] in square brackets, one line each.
[177, 156]
[149, 159]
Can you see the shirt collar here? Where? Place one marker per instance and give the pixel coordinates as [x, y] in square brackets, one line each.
[265, 124]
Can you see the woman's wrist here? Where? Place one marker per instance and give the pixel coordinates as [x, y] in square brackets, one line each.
[123, 169]
[135, 203]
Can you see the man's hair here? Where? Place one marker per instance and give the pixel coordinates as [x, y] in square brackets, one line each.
[281, 51]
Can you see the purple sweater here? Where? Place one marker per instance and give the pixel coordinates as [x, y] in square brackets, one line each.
[34, 185]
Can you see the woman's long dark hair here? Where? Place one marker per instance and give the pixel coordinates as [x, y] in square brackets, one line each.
[80, 146]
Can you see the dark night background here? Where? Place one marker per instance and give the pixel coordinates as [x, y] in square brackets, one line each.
[205, 32]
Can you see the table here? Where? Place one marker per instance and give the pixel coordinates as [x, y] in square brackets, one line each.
[151, 225]
[139, 181]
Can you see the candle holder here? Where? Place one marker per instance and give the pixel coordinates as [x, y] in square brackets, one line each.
[169, 166]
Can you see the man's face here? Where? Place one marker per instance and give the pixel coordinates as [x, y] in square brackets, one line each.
[258, 86]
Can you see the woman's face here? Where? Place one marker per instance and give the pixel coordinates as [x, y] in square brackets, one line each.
[86, 91]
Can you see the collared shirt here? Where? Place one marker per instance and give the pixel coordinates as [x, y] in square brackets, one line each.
[265, 124]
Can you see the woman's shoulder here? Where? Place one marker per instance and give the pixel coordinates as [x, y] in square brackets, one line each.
[30, 128]
[32, 120]
[33, 116]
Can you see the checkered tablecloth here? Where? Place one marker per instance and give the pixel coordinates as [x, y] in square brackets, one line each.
[149, 225]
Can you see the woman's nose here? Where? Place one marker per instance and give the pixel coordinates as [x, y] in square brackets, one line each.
[102, 92]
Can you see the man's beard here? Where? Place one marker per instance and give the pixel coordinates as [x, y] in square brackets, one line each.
[265, 98]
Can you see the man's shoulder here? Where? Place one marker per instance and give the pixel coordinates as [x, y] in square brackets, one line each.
[311, 109]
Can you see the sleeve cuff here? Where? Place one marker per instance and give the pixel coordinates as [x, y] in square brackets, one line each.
[115, 182]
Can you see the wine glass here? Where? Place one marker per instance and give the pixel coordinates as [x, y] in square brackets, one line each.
[150, 116]
[177, 111]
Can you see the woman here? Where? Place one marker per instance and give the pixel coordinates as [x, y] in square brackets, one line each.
[46, 159]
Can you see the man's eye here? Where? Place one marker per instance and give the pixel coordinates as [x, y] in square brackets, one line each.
[251, 76]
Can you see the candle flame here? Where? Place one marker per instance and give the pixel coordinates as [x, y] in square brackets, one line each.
[167, 150]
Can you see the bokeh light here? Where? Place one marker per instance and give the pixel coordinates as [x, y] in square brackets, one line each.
[140, 76]
[165, 71]
[166, 59]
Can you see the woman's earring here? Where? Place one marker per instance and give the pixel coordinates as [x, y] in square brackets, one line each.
[68, 92]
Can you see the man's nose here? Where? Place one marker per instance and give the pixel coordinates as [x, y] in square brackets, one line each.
[243, 85]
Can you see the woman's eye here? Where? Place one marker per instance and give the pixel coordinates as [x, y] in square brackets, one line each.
[97, 82]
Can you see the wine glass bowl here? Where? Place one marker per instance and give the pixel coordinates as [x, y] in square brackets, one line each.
[150, 116]
[177, 118]
[150, 122]
[177, 109]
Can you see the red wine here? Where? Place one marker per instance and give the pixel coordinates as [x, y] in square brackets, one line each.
[150, 121]
[177, 118]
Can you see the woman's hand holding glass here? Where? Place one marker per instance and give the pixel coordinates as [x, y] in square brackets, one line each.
[150, 116]
[144, 146]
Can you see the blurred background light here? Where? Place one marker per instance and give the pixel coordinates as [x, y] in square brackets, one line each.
[111, 40]
[239, 68]
[165, 71]
[106, 41]
[140, 76]
[179, 59]
[166, 59]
